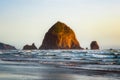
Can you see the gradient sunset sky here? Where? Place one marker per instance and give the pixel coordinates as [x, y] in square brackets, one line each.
[26, 21]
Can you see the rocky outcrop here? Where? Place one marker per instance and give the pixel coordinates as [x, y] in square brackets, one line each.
[60, 36]
[29, 47]
[6, 47]
[94, 45]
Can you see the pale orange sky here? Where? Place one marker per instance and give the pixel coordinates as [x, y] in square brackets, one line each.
[26, 21]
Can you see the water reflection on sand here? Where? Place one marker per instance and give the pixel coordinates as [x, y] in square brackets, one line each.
[35, 71]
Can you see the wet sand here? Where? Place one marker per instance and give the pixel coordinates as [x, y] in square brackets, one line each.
[37, 71]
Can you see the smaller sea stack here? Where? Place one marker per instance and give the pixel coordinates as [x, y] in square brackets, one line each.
[94, 45]
[29, 47]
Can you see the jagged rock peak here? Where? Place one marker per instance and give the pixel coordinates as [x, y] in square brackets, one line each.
[29, 47]
[60, 36]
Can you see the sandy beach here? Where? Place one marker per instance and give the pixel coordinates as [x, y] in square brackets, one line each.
[36, 71]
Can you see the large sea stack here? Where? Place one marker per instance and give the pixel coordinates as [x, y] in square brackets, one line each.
[60, 36]
[6, 47]
[94, 45]
[30, 47]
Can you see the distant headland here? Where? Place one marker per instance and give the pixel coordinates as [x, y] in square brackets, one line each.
[4, 46]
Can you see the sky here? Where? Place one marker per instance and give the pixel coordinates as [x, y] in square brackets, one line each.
[26, 21]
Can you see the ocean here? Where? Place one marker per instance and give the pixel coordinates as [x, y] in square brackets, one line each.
[60, 64]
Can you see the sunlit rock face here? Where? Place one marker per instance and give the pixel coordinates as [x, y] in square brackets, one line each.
[60, 36]
[6, 47]
[94, 45]
[29, 47]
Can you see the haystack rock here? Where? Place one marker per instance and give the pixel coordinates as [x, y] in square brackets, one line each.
[94, 45]
[60, 36]
[29, 47]
[6, 47]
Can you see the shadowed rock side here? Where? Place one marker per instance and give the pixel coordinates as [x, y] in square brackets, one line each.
[60, 36]
[29, 47]
[6, 47]
[94, 45]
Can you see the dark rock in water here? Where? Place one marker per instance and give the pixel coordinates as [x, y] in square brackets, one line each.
[29, 47]
[86, 48]
[60, 36]
[6, 47]
[94, 45]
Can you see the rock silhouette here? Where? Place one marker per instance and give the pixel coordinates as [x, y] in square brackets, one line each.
[6, 47]
[94, 45]
[60, 36]
[29, 47]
